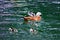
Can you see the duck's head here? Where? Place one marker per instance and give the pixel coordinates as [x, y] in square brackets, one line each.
[38, 14]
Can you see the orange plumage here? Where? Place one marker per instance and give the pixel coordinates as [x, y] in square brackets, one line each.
[33, 18]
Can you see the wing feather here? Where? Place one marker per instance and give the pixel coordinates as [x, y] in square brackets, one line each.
[31, 14]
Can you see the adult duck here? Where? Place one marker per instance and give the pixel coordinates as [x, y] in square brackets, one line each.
[33, 17]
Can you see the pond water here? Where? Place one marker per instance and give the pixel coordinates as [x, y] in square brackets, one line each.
[12, 13]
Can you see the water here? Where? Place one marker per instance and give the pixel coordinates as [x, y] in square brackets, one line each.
[12, 13]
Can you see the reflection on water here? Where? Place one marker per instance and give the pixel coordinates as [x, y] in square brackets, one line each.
[12, 13]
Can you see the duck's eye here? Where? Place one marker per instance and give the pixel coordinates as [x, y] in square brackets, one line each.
[40, 15]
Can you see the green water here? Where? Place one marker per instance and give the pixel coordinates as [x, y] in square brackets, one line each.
[12, 13]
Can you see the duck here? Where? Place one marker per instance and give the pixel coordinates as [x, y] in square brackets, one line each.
[33, 31]
[33, 17]
[13, 29]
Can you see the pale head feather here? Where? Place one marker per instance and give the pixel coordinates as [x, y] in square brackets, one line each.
[38, 13]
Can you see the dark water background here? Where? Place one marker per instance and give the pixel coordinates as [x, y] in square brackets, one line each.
[12, 11]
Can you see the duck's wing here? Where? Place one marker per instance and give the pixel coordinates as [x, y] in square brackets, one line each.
[31, 14]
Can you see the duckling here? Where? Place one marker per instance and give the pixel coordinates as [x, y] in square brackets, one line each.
[13, 29]
[33, 31]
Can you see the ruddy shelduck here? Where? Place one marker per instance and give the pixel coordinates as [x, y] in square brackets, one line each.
[33, 17]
